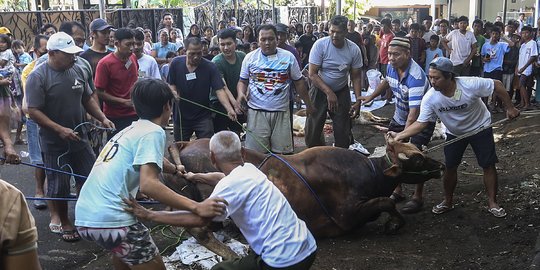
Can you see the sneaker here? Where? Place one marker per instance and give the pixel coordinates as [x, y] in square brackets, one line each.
[356, 146]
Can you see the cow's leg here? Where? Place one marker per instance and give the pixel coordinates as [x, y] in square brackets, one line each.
[206, 238]
[376, 206]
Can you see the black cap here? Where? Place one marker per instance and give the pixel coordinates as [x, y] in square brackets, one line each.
[280, 27]
[99, 25]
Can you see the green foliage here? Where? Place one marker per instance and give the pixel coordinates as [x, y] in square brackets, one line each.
[347, 8]
[14, 5]
[165, 3]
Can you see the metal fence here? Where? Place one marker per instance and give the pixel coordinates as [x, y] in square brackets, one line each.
[25, 25]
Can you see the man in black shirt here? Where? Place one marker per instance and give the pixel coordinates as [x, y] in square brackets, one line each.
[396, 27]
[100, 30]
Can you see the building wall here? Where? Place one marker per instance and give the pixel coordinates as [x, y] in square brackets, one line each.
[491, 10]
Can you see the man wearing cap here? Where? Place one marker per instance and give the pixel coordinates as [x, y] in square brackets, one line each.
[282, 38]
[5, 31]
[331, 61]
[116, 73]
[408, 82]
[57, 94]
[461, 45]
[99, 30]
[457, 102]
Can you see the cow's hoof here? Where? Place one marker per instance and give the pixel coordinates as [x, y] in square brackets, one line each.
[393, 225]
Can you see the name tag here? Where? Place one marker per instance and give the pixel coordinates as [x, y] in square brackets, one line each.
[128, 64]
[191, 76]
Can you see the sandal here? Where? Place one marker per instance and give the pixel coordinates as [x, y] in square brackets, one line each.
[441, 208]
[21, 142]
[40, 204]
[497, 212]
[71, 236]
[55, 228]
[396, 197]
[412, 206]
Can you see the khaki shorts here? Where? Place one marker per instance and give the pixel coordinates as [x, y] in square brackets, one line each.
[271, 129]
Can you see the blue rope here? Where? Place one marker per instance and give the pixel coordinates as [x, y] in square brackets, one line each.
[75, 199]
[49, 169]
[321, 204]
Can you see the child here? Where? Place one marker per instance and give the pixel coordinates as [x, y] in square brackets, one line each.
[509, 65]
[433, 51]
[132, 160]
[22, 58]
[300, 49]
[165, 67]
[493, 55]
[214, 51]
[253, 46]
[418, 45]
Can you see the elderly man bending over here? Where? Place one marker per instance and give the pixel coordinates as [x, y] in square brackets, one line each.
[279, 239]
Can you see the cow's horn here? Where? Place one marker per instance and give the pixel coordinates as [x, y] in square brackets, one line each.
[402, 156]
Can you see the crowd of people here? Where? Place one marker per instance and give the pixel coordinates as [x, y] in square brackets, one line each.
[121, 83]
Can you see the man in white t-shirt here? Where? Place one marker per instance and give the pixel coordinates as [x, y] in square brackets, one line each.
[461, 45]
[148, 66]
[279, 239]
[528, 53]
[457, 102]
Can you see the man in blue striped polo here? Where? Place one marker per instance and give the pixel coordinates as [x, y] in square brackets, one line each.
[409, 83]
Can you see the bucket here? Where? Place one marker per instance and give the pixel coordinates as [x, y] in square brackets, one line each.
[374, 78]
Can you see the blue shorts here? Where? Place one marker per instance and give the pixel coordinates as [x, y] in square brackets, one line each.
[482, 144]
[34, 147]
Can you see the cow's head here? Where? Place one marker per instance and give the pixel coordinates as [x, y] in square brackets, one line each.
[410, 164]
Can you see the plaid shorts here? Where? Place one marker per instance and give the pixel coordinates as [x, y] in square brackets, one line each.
[132, 244]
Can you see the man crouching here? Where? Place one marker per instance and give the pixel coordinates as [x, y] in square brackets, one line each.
[279, 239]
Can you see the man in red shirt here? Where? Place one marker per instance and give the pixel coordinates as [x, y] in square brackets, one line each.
[116, 73]
[386, 36]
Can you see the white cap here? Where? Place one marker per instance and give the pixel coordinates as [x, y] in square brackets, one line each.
[62, 42]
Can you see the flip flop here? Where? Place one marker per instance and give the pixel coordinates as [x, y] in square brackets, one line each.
[55, 228]
[441, 208]
[412, 206]
[497, 212]
[396, 197]
[71, 236]
[39, 204]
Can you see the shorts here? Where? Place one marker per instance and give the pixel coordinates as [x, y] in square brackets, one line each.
[495, 74]
[81, 162]
[526, 81]
[34, 146]
[271, 129]
[131, 244]
[482, 144]
[420, 139]
[507, 81]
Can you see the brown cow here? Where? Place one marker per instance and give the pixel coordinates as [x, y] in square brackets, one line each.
[343, 188]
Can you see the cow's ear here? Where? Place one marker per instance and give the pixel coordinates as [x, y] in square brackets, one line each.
[393, 171]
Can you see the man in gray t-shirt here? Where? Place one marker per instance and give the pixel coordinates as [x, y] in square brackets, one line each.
[331, 61]
[58, 95]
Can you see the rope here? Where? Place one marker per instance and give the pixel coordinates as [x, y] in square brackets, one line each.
[49, 169]
[466, 135]
[75, 199]
[69, 145]
[317, 198]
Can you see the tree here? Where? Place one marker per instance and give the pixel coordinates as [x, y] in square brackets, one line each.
[348, 8]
